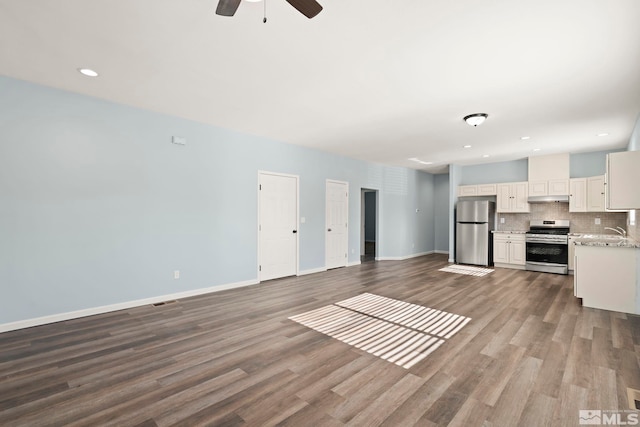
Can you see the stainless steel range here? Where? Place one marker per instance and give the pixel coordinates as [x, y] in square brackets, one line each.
[547, 243]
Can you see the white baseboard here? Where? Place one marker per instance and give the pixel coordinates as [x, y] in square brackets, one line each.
[311, 271]
[402, 258]
[451, 260]
[21, 324]
[352, 263]
[441, 252]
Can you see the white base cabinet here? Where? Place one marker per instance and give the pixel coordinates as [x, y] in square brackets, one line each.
[509, 250]
[606, 278]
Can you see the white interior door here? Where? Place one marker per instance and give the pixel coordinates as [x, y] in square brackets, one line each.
[277, 225]
[337, 224]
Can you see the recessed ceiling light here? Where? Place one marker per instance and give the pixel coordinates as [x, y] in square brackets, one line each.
[603, 134]
[88, 72]
[466, 146]
[485, 155]
[524, 138]
[426, 163]
[536, 149]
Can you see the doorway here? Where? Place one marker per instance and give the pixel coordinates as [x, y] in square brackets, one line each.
[277, 225]
[369, 229]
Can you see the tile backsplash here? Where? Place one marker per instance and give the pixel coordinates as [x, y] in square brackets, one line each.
[581, 222]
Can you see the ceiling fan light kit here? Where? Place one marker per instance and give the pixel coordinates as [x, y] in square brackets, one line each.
[475, 119]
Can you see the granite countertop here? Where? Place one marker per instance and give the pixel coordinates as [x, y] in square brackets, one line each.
[509, 231]
[604, 240]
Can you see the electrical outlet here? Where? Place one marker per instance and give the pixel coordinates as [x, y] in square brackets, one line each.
[501, 220]
[597, 221]
[176, 274]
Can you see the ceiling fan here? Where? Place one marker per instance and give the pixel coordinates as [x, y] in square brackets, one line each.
[308, 8]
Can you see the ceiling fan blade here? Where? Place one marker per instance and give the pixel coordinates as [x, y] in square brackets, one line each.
[227, 7]
[308, 8]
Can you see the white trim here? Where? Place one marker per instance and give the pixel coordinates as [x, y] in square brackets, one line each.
[119, 306]
[402, 258]
[353, 263]
[441, 252]
[312, 271]
[451, 260]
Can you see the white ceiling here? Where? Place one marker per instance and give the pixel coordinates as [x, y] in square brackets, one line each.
[377, 80]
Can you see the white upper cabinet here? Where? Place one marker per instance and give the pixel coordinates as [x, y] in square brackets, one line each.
[467, 190]
[558, 187]
[623, 179]
[578, 195]
[596, 194]
[512, 197]
[549, 175]
[477, 190]
[538, 188]
[587, 194]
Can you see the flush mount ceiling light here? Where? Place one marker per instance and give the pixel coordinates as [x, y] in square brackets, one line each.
[603, 134]
[475, 119]
[524, 138]
[466, 146]
[88, 72]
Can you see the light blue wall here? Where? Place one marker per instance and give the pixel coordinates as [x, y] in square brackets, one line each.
[634, 141]
[97, 207]
[490, 173]
[584, 165]
[441, 189]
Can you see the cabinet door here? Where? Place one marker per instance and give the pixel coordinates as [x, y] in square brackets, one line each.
[538, 188]
[500, 250]
[517, 252]
[519, 193]
[503, 199]
[595, 194]
[578, 195]
[487, 190]
[558, 187]
[572, 253]
[467, 190]
[623, 175]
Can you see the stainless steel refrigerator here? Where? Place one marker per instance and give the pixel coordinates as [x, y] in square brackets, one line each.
[475, 219]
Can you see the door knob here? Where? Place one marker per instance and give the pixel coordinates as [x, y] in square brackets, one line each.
[295, 231]
[328, 229]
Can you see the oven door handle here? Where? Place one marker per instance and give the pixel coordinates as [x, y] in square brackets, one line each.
[549, 242]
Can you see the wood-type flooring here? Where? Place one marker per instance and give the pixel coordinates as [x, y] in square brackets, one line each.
[529, 356]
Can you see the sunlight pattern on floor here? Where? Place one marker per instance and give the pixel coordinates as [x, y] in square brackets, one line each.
[467, 269]
[396, 331]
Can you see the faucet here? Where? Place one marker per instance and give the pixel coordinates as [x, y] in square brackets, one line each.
[621, 231]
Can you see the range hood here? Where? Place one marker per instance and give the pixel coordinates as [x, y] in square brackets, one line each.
[548, 199]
